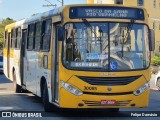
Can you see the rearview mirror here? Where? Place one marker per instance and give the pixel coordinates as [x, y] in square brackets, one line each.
[60, 33]
[151, 40]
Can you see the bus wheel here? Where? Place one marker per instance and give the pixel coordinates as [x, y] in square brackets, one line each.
[17, 88]
[47, 106]
[158, 83]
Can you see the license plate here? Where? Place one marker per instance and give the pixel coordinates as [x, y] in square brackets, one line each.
[108, 102]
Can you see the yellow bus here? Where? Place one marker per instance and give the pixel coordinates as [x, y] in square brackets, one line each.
[82, 56]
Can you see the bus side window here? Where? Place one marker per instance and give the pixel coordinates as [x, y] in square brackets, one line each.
[18, 38]
[6, 39]
[46, 35]
[13, 38]
[38, 27]
[30, 37]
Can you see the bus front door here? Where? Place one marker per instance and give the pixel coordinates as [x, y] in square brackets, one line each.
[55, 66]
[22, 56]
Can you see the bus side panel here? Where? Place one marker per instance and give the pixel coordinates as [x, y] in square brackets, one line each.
[11, 63]
[34, 71]
[47, 75]
[5, 62]
[17, 66]
[43, 72]
[30, 70]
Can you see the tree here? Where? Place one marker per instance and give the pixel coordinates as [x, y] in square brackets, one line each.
[2, 29]
[35, 14]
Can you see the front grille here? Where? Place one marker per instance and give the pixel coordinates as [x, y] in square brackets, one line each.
[107, 94]
[98, 103]
[108, 81]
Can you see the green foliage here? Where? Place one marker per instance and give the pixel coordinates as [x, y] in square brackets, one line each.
[2, 26]
[35, 14]
[155, 60]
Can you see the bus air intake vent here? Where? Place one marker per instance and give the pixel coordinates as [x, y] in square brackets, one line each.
[109, 81]
[107, 94]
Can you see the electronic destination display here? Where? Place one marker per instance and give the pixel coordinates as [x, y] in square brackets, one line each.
[106, 12]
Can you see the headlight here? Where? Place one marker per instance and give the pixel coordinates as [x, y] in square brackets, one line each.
[141, 89]
[70, 88]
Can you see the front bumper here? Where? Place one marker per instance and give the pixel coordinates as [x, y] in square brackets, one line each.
[68, 100]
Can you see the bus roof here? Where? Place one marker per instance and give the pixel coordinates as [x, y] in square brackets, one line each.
[15, 24]
[36, 17]
[47, 14]
[57, 11]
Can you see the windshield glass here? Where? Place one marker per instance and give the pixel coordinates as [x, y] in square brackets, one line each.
[106, 46]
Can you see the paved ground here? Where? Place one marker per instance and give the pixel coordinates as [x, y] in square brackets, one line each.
[9, 101]
[152, 82]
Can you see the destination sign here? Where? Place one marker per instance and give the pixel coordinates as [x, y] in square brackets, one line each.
[106, 12]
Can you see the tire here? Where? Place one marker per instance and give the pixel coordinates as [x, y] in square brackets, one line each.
[17, 88]
[158, 84]
[24, 90]
[47, 106]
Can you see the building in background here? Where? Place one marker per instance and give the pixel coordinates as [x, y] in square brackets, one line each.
[152, 7]
[101, 1]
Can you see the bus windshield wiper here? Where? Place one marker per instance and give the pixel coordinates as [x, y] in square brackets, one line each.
[129, 28]
[89, 25]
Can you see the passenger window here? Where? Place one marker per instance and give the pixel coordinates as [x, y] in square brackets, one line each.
[13, 38]
[6, 39]
[46, 35]
[30, 38]
[38, 36]
[18, 38]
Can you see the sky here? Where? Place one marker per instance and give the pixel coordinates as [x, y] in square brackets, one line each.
[19, 9]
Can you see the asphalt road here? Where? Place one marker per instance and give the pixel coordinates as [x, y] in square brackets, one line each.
[9, 101]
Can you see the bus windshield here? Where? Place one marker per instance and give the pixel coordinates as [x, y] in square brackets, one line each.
[106, 46]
